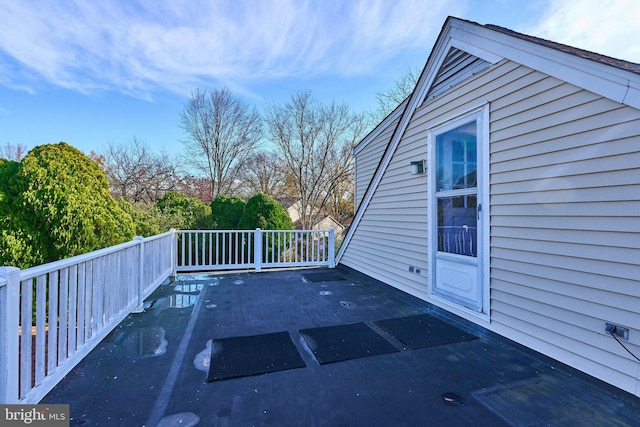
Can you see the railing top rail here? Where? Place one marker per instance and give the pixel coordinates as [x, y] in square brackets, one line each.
[216, 231]
[252, 230]
[159, 236]
[38, 270]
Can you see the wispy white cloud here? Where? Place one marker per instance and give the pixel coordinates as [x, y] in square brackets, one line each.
[609, 27]
[138, 47]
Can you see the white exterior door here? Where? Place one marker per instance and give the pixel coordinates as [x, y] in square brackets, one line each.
[456, 198]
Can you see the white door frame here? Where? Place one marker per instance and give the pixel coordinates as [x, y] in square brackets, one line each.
[481, 116]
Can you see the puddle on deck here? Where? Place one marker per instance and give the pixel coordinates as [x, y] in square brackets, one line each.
[144, 342]
[182, 419]
[172, 301]
[199, 276]
[203, 359]
[188, 287]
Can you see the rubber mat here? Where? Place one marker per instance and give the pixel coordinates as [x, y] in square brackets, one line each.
[345, 342]
[328, 276]
[253, 355]
[423, 331]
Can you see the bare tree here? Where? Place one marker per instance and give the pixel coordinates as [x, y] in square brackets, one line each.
[341, 201]
[137, 174]
[263, 173]
[223, 132]
[389, 99]
[315, 142]
[13, 152]
[195, 186]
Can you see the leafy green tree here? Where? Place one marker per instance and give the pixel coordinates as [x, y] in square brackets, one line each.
[261, 211]
[19, 246]
[55, 205]
[226, 212]
[185, 213]
[148, 220]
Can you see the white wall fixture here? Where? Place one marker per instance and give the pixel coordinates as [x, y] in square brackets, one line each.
[417, 167]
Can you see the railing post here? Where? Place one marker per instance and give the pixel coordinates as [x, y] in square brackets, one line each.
[9, 305]
[174, 252]
[140, 307]
[257, 249]
[332, 248]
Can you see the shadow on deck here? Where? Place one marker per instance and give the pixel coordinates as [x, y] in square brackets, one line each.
[152, 369]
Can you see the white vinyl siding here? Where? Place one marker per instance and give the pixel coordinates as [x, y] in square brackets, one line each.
[367, 160]
[565, 216]
[392, 234]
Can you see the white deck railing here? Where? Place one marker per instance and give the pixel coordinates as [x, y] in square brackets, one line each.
[53, 315]
[222, 250]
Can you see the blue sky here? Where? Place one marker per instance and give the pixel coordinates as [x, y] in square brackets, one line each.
[94, 72]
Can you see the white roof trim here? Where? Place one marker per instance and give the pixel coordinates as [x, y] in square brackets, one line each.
[492, 45]
[603, 79]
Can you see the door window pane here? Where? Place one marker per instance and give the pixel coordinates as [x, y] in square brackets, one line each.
[456, 158]
[457, 225]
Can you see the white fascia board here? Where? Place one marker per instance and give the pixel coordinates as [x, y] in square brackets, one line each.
[429, 72]
[434, 62]
[632, 97]
[460, 39]
[602, 79]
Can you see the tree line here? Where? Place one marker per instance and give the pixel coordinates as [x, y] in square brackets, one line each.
[57, 202]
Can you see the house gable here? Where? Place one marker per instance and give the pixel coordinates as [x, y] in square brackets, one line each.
[564, 200]
[478, 46]
[449, 54]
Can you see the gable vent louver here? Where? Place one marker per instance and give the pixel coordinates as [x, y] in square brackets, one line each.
[456, 67]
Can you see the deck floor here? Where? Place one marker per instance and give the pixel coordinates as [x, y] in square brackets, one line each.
[152, 369]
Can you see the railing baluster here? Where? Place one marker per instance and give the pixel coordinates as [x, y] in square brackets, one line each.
[225, 255]
[238, 248]
[82, 271]
[210, 248]
[182, 238]
[88, 309]
[25, 340]
[41, 311]
[62, 337]
[9, 338]
[73, 292]
[246, 259]
[98, 295]
[52, 339]
[203, 247]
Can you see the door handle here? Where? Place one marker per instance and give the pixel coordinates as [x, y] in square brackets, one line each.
[478, 210]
